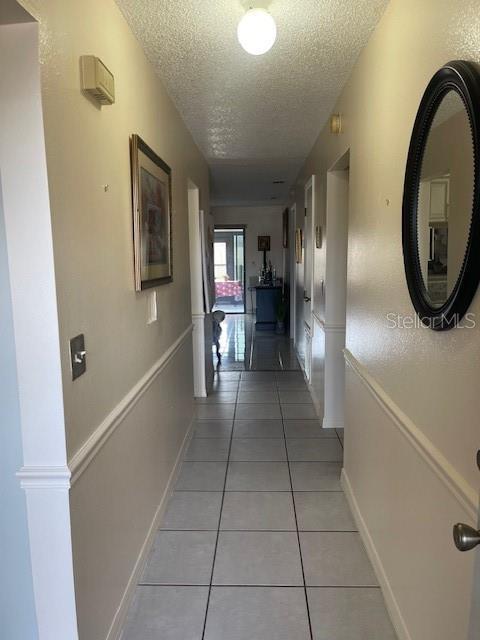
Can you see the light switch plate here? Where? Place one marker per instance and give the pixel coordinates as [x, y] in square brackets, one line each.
[78, 356]
[152, 307]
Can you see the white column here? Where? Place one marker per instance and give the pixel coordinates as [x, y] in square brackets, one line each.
[45, 475]
[196, 286]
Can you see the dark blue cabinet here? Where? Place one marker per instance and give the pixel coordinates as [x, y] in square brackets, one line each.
[268, 298]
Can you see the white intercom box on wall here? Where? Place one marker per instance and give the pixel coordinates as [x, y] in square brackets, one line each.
[97, 80]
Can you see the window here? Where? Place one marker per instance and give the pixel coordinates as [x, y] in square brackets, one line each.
[229, 269]
[220, 260]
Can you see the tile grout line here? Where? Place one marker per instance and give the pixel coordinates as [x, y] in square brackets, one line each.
[264, 530]
[298, 533]
[220, 516]
[340, 440]
[265, 438]
[262, 490]
[250, 360]
[263, 586]
[262, 461]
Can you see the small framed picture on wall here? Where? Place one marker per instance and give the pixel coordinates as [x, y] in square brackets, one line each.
[285, 229]
[264, 243]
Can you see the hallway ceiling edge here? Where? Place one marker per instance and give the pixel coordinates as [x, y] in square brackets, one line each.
[254, 118]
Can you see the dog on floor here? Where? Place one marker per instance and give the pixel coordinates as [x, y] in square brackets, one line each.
[217, 317]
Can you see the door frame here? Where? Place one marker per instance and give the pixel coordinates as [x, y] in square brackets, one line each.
[232, 227]
[334, 326]
[474, 623]
[310, 186]
[293, 272]
[196, 292]
[309, 265]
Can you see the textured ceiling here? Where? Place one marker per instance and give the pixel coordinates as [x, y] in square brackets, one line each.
[254, 118]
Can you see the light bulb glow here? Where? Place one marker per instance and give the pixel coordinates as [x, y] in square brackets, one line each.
[257, 31]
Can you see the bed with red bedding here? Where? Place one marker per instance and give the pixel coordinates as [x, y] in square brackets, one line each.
[229, 289]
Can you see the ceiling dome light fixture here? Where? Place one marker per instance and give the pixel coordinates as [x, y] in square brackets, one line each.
[257, 31]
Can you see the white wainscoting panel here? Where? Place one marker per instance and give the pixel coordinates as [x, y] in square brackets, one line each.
[82, 458]
[114, 632]
[406, 496]
[122, 478]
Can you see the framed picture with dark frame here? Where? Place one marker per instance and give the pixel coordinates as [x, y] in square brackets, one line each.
[152, 216]
[264, 243]
[285, 229]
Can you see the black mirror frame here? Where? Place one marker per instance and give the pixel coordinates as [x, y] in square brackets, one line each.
[464, 78]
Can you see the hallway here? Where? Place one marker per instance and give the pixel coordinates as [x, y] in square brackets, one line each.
[313, 165]
[258, 542]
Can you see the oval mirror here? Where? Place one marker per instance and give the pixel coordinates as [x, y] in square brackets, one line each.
[441, 198]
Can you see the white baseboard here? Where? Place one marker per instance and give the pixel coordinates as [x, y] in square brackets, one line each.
[118, 622]
[210, 380]
[332, 424]
[199, 353]
[317, 400]
[301, 361]
[390, 600]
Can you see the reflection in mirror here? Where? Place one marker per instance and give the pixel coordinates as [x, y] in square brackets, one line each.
[445, 198]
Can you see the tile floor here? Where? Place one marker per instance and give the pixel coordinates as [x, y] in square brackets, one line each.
[258, 542]
[243, 348]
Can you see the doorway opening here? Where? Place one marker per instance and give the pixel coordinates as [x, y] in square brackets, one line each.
[229, 267]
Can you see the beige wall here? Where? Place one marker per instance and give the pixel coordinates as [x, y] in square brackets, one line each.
[88, 147]
[431, 377]
[260, 221]
[116, 497]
